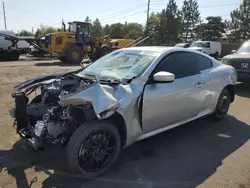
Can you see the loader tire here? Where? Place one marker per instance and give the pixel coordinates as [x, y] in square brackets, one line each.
[74, 54]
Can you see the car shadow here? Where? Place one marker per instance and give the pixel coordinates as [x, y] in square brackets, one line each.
[182, 157]
[243, 89]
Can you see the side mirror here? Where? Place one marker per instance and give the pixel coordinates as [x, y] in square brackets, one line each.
[163, 76]
[233, 51]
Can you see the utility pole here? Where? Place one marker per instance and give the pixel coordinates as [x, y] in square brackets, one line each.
[4, 17]
[148, 10]
[146, 31]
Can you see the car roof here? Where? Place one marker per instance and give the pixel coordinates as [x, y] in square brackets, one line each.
[165, 49]
[151, 48]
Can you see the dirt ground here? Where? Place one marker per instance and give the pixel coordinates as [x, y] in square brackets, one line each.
[203, 153]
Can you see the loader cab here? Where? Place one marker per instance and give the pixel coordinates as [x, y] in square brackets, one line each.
[82, 31]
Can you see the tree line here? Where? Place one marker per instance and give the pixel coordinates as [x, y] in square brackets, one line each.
[173, 24]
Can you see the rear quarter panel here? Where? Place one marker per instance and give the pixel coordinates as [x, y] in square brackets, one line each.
[220, 77]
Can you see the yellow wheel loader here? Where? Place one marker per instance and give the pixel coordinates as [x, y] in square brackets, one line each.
[76, 43]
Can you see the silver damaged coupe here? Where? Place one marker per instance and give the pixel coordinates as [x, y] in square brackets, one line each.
[126, 96]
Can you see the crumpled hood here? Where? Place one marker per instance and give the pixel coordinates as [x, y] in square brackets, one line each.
[106, 99]
[40, 79]
[238, 56]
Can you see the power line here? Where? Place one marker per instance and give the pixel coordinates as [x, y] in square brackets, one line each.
[123, 12]
[123, 17]
[211, 6]
[219, 5]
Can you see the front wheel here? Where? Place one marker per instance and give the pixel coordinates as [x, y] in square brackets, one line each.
[93, 148]
[223, 105]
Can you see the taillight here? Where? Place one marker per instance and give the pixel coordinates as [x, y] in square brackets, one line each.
[16, 46]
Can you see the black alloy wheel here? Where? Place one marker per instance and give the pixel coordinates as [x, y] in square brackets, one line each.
[93, 148]
[222, 105]
[96, 151]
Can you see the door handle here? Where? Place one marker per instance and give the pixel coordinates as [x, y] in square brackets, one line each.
[199, 85]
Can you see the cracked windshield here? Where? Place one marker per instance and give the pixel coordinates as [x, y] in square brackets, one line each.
[121, 65]
[125, 94]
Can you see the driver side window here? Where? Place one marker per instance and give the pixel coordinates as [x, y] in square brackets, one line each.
[181, 64]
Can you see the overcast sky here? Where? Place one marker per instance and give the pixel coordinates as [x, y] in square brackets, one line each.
[25, 14]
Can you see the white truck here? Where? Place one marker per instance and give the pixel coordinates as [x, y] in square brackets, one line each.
[8, 50]
[212, 48]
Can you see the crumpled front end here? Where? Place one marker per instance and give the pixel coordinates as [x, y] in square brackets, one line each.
[66, 101]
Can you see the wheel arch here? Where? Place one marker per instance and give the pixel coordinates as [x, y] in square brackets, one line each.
[120, 124]
[231, 90]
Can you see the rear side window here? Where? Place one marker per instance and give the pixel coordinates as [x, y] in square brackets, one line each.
[204, 63]
[181, 64]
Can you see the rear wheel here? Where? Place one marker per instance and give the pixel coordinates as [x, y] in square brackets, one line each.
[74, 54]
[93, 148]
[13, 55]
[216, 55]
[223, 105]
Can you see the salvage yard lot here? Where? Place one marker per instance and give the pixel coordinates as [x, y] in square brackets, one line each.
[203, 153]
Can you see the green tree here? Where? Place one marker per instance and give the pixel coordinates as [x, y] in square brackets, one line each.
[212, 30]
[239, 25]
[106, 29]
[87, 19]
[117, 31]
[132, 30]
[190, 18]
[25, 33]
[173, 23]
[153, 28]
[43, 30]
[96, 30]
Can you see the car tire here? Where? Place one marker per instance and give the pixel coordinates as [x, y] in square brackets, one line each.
[216, 55]
[223, 105]
[83, 153]
[13, 55]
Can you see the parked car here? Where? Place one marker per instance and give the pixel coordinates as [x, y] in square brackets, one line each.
[212, 48]
[240, 60]
[24, 46]
[126, 96]
[183, 45]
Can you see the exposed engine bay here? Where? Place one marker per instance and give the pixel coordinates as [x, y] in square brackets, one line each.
[67, 100]
[42, 119]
